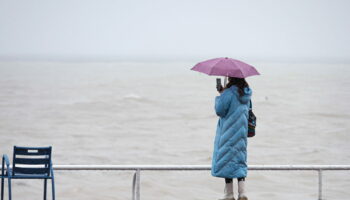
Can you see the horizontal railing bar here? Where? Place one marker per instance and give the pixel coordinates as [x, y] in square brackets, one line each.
[197, 167]
[299, 167]
[132, 167]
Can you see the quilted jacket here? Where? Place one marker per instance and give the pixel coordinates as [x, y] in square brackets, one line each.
[230, 145]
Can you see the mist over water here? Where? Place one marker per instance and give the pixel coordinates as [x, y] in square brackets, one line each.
[163, 113]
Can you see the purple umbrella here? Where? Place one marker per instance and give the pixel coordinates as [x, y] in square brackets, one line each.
[226, 67]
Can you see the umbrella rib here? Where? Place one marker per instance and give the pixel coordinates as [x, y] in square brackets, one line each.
[210, 73]
[239, 66]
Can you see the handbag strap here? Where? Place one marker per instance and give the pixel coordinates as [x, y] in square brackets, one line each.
[250, 106]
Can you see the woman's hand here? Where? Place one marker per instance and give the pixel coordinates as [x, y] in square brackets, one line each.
[219, 88]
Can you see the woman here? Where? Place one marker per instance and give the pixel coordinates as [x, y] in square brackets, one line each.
[230, 146]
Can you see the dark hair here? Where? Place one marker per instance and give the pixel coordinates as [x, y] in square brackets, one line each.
[239, 82]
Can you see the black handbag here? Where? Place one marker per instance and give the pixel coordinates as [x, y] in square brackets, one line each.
[251, 121]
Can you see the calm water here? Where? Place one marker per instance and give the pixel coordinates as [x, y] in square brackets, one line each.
[162, 113]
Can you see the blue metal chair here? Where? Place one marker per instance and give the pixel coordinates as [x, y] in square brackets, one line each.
[28, 163]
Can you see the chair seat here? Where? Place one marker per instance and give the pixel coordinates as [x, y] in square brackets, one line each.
[30, 176]
[27, 176]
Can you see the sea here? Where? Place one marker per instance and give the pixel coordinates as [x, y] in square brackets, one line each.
[146, 113]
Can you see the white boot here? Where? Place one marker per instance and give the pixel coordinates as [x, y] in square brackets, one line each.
[241, 190]
[228, 192]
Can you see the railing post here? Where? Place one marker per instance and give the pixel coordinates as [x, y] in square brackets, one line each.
[319, 184]
[136, 185]
[133, 186]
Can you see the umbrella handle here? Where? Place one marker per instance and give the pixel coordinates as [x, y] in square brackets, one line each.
[225, 81]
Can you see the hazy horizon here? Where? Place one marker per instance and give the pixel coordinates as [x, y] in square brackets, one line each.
[268, 30]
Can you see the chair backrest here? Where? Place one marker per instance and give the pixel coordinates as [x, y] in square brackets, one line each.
[31, 160]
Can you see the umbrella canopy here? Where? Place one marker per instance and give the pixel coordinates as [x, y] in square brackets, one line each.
[226, 67]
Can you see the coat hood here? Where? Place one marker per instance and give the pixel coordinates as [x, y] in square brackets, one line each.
[246, 96]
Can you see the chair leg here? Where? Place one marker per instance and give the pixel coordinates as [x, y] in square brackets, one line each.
[2, 188]
[9, 186]
[53, 188]
[45, 187]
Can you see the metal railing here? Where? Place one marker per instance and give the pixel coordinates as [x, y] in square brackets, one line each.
[139, 168]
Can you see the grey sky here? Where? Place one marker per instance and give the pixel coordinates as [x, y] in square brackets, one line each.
[255, 29]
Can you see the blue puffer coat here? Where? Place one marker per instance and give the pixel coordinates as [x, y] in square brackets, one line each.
[230, 146]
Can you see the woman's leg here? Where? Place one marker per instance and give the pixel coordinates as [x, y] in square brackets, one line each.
[228, 180]
[241, 189]
[228, 195]
[241, 179]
